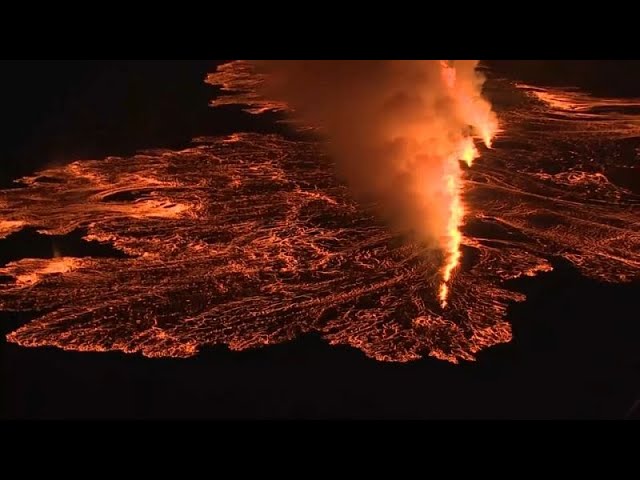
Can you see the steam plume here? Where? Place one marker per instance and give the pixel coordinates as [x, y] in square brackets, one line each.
[397, 130]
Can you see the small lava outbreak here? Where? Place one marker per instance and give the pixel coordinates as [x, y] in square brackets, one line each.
[250, 240]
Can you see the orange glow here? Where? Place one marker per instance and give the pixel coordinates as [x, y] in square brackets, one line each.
[469, 151]
[478, 112]
[487, 137]
[30, 271]
[251, 240]
[9, 226]
[454, 236]
[448, 74]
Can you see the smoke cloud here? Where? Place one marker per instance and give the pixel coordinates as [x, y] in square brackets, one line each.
[397, 130]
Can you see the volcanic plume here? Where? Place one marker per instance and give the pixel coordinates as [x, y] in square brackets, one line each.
[397, 130]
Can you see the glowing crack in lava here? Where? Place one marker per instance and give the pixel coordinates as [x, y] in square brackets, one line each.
[250, 240]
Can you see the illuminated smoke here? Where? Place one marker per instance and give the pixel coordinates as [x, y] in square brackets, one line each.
[398, 131]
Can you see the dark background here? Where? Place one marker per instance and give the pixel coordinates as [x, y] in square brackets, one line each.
[575, 353]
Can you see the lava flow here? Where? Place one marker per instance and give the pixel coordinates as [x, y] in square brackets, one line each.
[251, 239]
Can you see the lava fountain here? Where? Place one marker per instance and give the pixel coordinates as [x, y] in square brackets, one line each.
[467, 100]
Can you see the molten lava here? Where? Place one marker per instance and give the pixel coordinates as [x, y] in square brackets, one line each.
[474, 109]
[251, 240]
[454, 236]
